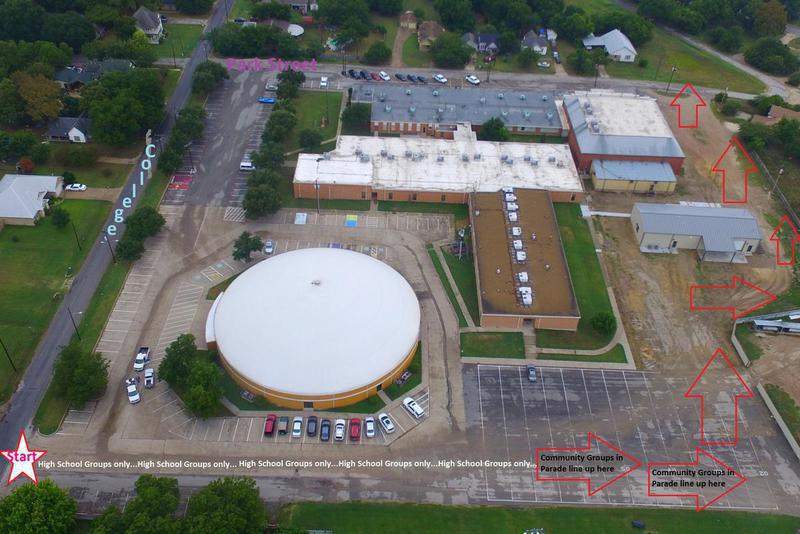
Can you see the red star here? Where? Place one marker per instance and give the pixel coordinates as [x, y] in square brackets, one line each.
[22, 460]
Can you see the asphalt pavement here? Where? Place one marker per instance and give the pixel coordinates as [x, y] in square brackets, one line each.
[33, 385]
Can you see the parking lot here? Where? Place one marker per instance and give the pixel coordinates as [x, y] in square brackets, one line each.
[644, 414]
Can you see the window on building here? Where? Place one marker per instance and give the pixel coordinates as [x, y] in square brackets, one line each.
[391, 195]
[413, 196]
[363, 195]
[308, 404]
[442, 198]
[749, 248]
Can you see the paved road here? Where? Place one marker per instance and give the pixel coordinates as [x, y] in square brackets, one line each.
[37, 376]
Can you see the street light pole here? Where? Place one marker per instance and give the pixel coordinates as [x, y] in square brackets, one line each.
[596, 73]
[775, 185]
[674, 68]
[75, 231]
[10, 361]
[110, 248]
[74, 325]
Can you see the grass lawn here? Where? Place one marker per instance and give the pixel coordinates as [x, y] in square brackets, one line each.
[463, 272]
[492, 344]
[240, 9]
[424, 5]
[98, 175]
[394, 391]
[749, 341]
[787, 407]
[587, 280]
[214, 291]
[32, 279]
[447, 288]
[395, 518]
[459, 211]
[369, 405]
[181, 40]
[233, 392]
[508, 63]
[695, 65]
[390, 23]
[413, 56]
[170, 82]
[310, 106]
[615, 355]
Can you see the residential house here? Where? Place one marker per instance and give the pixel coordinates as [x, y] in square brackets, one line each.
[24, 198]
[615, 43]
[301, 6]
[408, 20]
[73, 78]
[482, 42]
[471, 40]
[72, 129]
[150, 23]
[427, 33]
[533, 41]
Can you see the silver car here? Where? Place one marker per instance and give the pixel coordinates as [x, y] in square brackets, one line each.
[338, 432]
[386, 423]
[369, 427]
[297, 427]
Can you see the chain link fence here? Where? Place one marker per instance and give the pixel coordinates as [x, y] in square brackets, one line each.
[774, 188]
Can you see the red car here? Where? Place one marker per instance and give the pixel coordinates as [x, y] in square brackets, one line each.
[269, 425]
[375, 76]
[355, 429]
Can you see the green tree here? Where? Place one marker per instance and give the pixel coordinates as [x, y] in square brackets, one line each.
[64, 369]
[574, 24]
[771, 19]
[604, 323]
[35, 508]
[144, 222]
[296, 77]
[342, 12]
[245, 245]
[310, 139]
[207, 76]
[21, 20]
[109, 522]
[130, 248]
[286, 90]
[772, 56]
[40, 153]
[90, 379]
[582, 62]
[279, 125]
[42, 96]
[203, 389]
[271, 10]
[378, 54]
[60, 217]
[386, 7]
[156, 497]
[493, 130]
[526, 58]
[193, 7]
[269, 156]
[70, 28]
[178, 359]
[229, 504]
[69, 177]
[450, 52]
[262, 199]
[356, 117]
[509, 43]
[456, 15]
[12, 105]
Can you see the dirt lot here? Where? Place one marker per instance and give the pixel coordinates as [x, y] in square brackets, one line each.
[653, 290]
[780, 361]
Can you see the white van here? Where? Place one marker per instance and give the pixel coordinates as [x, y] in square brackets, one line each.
[413, 408]
[246, 165]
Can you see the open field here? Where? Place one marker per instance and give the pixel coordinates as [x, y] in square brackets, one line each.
[170, 82]
[394, 390]
[787, 407]
[98, 175]
[413, 56]
[492, 344]
[34, 262]
[587, 281]
[462, 322]
[181, 40]
[358, 517]
[749, 342]
[463, 272]
[310, 106]
[615, 355]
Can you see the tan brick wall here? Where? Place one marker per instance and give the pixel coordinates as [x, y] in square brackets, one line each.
[557, 323]
[501, 321]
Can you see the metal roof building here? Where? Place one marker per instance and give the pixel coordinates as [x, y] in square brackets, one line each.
[716, 233]
[616, 126]
[633, 176]
[441, 108]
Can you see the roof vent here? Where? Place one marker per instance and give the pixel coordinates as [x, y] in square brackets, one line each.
[383, 152]
[500, 96]
[587, 105]
[483, 100]
[408, 92]
[464, 157]
[358, 151]
[545, 98]
[408, 153]
[535, 162]
[549, 116]
[504, 113]
[364, 158]
[526, 157]
[523, 97]
[387, 108]
[551, 159]
[560, 164]
[476, 156]
[316, 282]
[510, 161]
[440, 110]
[526, 114]
[412, 109]
[440, 158]
[504, 157]
[435, 92]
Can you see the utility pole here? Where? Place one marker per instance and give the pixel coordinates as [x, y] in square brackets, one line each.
[674, 69]
[75, 231]
[775, 185]
[110, 248]
[10, 361]
[174, 63]
[596, 73]
[74, 325]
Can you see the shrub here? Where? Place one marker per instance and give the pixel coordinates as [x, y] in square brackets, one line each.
[794, 79]
[731, 107]
[643, 63]
[378, 54]
[604, 323]
[69, 178]
[720, 97]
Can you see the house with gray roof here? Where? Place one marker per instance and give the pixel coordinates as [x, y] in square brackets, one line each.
[534, 41]
[606, 125]
[436, 111]
[24, 198]
[71, 129]
[615, 43]
[73, 78]
[633, 176]
[150, 23]
[718, 234]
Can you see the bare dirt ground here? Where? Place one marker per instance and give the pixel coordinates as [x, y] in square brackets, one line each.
[653, 290]
[780, 361]
[397, 46]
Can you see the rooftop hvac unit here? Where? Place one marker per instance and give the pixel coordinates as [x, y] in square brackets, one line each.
[521, 255]
[390, 156]
[512, 206]
[544, 98]
[551, 159]
[517, 244]
[440, 158]
[364, 158]
[589, 110]
[526, 114]
[500, 96]
[408, 92]
[382, 97]
[476, 156]
[549, 115]
[358, 151]
[535, 162]
[504, 157]
[440, 110]
[326, 155]
[412, 109]
[526, 157]
[408, 153]
[504, 113]
[587, 104]
[464, 157]
[435, 92]
[512, 216]
[523, 97]
[509, 161]
[507, 189]
[527, 300]
[560, 164]
[516, 231]
[387, 108]
[525, 290]
[511, 197]
[483, 100]
[383, 152]
[522, 277]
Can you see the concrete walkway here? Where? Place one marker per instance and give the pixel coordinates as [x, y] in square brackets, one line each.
[461, 304]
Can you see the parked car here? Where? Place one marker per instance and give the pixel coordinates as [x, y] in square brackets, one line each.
[352, 73]
[413, 408]
[400, 76]
[266, 100]
[386, 423]
[323, 82]
[338, 430]
[355, 429]
[543, 64]
[283, 424]
[149, 377]
[369, 427]
[471, 78]
[325, 430]
[246, 165]
[364, 75]
[271, 87]
[531, 374]
[439, 78]
[269, 247]
[412, 78]
[375, 76]
[556, 57]
[133, 393]
[269, 424]
[422, 79]
[76, 187]
[142, 357]
[385, 77]
[297, 427]
[311, 425]
[239, 20]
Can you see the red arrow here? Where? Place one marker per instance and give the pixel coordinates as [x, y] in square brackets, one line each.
[697, 390]
[774, 237]
[695, 99]
[607, 465]
[683, 475]
[719, 167]
[736, 283]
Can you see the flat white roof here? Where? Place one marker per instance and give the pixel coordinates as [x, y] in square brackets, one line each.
[626, 113]
[318, 321]
[425, 164]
